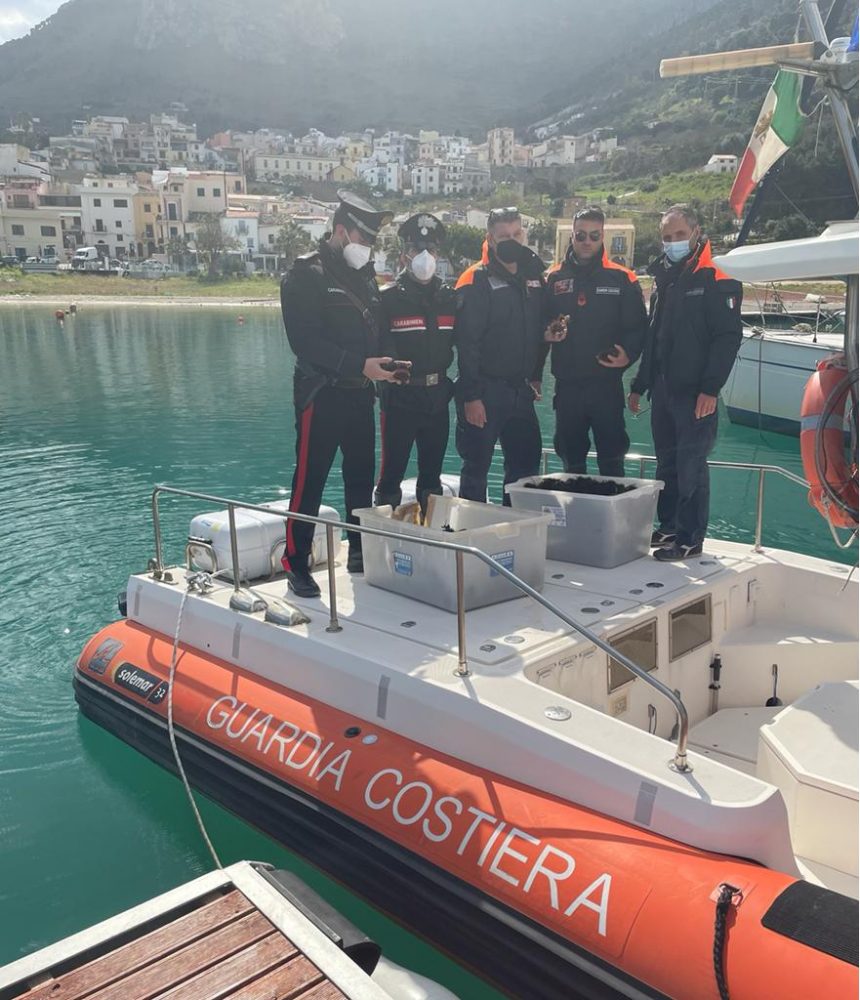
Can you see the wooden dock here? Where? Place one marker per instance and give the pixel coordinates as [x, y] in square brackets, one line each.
[230, 935]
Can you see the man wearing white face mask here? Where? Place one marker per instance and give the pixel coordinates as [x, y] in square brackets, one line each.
[694, 334]
[417, 326]
[330, 305]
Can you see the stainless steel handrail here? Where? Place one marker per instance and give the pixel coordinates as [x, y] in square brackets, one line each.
[680, 759]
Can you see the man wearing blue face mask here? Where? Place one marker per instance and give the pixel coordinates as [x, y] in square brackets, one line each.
[694, 334]
[417, 327]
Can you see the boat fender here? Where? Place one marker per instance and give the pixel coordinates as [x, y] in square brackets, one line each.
[407, 985]
[122, 603]
[352, 941]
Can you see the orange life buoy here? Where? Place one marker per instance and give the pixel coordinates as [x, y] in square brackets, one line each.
[822, 446]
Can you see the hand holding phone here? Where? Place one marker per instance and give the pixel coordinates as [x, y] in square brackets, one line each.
[401, 370]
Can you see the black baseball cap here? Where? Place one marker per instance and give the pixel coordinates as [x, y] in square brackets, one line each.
[355, 213]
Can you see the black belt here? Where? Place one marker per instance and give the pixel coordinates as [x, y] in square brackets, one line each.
[436, 378]
[357, 382]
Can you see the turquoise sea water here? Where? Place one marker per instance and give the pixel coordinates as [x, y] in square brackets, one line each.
[92, 414]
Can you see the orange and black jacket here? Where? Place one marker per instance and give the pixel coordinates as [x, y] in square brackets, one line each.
[605, 304]
[695, 327]
[498, 328]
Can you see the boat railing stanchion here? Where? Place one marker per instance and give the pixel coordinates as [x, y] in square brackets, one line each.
[641, 466]
[759, 510]
[158, 561]
[234, 547]
[544, 462]
[333, 624]
[462, 663]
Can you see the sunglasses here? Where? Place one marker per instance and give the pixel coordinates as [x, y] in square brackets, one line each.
[595, 236]
[510, 214]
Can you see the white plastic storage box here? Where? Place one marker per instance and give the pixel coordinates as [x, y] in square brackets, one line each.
[516, 539]
[261, 539]
[602, 531]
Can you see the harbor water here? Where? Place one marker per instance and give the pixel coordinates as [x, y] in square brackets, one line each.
[93, 413]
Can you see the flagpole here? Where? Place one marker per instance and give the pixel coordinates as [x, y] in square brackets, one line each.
[838, 104]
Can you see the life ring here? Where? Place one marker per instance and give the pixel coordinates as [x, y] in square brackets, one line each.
[832, 480]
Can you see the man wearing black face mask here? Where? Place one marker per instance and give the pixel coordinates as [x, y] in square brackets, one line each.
[330, 305]
[596, 317]
[417, 326]
[498, 334]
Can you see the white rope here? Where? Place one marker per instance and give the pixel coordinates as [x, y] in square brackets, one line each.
[192, 582]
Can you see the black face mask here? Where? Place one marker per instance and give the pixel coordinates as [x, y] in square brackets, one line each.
[510, 252]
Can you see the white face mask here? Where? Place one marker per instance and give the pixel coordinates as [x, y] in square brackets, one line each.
[356, 255]
[423, 265]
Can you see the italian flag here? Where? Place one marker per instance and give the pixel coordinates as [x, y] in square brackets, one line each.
[779, 123]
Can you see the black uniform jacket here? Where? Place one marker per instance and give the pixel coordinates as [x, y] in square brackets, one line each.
[418, 326]
[326, 330]
[695, 327]
[606, 307]
[498, 329]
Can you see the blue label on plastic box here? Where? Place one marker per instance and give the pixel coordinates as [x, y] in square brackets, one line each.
[403, 563]
[505, 559]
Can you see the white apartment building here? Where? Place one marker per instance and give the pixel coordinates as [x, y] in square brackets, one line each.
[243, 226]
[426, 178]
[721, 163]
[107, 213]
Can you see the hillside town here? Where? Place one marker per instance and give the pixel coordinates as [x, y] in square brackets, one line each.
[116, 193]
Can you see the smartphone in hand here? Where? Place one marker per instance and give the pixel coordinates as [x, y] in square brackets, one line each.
[400, 369]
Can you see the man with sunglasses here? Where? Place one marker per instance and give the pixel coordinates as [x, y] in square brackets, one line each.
[498, 333]
[330, 306]
[596, 322]
[417, 327]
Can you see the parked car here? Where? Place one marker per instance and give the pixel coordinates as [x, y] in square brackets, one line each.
[9, 260]
[155, 266]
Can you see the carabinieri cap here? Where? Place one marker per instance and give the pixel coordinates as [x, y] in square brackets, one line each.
[422, 230]
[362, 215]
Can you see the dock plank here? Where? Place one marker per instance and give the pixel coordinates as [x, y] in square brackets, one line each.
[284, 983]
[157, 944]
[190, 961]
[235, 972]
[324, 991]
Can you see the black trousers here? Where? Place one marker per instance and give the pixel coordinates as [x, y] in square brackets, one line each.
[682, 444]
[592, 405]
[512, 421]
[401, 427]
[338, 418]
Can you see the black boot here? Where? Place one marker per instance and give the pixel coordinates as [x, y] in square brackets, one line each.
[355, 561]
[300, 581]
[384, 499]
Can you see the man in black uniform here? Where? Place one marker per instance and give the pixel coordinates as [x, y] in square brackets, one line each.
[499, 337]
[330, 305]
[597, 321]
[693, 339]
[417, 326]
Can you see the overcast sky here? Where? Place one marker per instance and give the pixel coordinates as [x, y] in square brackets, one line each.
[18, 16]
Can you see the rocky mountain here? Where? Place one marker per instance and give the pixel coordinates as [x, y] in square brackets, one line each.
[337, 64]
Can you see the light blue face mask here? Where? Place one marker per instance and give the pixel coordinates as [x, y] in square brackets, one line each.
[676, 250]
